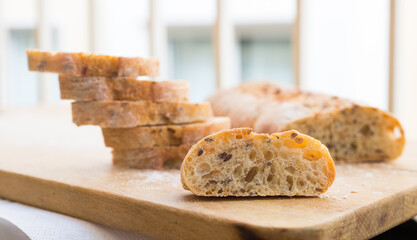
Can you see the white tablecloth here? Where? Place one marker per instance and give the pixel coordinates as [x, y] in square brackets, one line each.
[40, 224]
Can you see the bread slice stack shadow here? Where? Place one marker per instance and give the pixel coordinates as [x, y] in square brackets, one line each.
[149, 124]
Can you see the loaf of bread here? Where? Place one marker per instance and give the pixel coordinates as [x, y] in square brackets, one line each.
[168, 157]
[163, 135]
[128, 114]
[238, 162]
[84, 64]
[352, 132]
[121, 88]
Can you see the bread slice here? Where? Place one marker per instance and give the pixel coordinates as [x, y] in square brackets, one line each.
[164, 135]
[238, 162]
[352, 132]
[121, 88]
[169, 157]
[127, 114]
[84, 64]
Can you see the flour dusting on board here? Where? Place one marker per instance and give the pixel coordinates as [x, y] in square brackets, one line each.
[155, 178]
[368, 174]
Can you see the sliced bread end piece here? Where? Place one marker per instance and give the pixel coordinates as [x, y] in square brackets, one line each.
[238, 162]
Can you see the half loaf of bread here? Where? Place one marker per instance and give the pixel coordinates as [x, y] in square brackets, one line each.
[238, 162]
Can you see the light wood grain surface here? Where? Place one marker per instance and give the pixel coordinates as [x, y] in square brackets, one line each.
[45, 161]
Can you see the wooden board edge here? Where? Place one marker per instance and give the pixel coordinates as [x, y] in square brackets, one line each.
[389, 213]
[372, 220]
[163, 222]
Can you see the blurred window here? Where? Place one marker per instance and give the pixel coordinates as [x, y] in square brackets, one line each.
[266, 59]
[191, 59]
[22, 85]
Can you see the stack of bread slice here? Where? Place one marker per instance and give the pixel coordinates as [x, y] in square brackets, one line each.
[149, 124]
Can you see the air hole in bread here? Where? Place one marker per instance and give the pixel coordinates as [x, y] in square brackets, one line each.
[310, 179]
[365, 130]
[301, 183]
[211, 174]
[203, 169]
[251, 174]
[290, 169]
[290, 182]
[252, 154]
[270, 177]
[268, 155]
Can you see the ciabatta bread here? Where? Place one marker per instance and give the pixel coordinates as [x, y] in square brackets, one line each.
[163, 135]
[120, 88]
[84, 64]
[238, 162]
[352, 132]
[169, 157]
[127, 114]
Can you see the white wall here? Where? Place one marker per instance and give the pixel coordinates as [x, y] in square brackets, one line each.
[70, 19]
[344, 49]
[189, 12]
[2, 56]
[122, 27]
[405, 69]
[20, 13]
[263, 11]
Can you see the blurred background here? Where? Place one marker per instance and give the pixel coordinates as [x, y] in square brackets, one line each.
[365, 50]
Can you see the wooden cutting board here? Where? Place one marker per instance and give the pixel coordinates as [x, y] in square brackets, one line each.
[51, 164]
